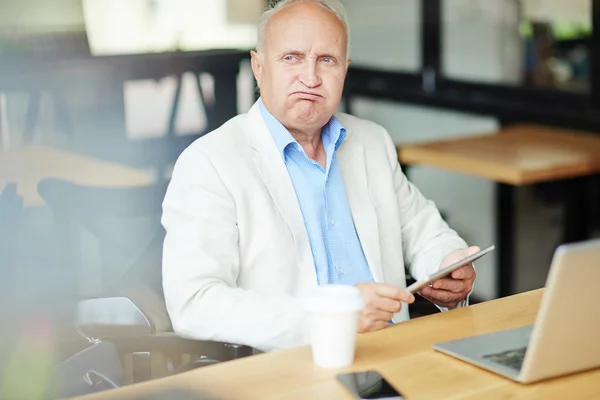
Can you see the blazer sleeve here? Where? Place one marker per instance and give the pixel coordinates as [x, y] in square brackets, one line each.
[426, 237]
[201, 263]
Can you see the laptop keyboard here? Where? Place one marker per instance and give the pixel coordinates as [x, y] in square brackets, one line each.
[511, 358]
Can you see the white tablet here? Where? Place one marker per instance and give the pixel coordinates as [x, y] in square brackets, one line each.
[421, 283]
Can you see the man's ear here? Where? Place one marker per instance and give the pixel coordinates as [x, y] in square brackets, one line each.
[256, 62]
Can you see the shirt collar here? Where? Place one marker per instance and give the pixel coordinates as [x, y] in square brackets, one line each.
[335, 132]
[332, 132]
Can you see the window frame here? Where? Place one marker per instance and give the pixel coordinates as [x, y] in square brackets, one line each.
[508, 103]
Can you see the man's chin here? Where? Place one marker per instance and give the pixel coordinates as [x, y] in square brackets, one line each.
[314, 119]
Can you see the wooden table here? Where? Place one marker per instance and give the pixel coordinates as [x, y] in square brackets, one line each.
[27, 166]
[402, 353]
[519, 155]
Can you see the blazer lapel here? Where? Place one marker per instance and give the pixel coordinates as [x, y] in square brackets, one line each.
[274, 173]
[351, 157]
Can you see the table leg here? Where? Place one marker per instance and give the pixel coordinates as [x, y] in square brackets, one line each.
[505, 238]
[405, 169]
[225, 97]
[2, 133]
[594, 202]
[576, 207]
[31, 118]
[175, 107]
[62, 115]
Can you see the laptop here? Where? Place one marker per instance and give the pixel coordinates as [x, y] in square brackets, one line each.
[565, 337]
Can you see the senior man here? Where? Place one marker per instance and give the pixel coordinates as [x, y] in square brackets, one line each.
[290, 196]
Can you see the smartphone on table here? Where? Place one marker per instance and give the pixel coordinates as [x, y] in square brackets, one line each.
[421, 283]
[369, 385]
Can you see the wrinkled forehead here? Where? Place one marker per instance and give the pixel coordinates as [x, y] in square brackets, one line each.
[305, 29]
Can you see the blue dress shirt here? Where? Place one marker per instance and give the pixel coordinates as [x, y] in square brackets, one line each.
[336, 249]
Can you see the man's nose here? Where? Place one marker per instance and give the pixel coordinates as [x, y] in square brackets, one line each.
[310, 74]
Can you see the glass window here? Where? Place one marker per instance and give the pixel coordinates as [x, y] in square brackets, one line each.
[143, 26]
[34, 16]
[544, 43]
[385, 35]
[33, 27]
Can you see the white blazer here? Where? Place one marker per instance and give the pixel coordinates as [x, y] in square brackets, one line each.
[236, 255]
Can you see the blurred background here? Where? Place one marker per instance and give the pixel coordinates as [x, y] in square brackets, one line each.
[99, 97]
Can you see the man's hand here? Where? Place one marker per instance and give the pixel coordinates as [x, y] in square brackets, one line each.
[382, 301]
[449, 291]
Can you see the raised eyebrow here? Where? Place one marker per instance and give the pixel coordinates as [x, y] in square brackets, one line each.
[292, 52]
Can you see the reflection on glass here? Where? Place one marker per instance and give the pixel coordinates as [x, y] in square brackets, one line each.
[544, 43]
[145, 26]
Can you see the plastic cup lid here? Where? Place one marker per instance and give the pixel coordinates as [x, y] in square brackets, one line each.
[334, 298]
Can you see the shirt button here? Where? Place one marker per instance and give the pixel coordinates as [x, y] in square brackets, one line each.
[343, 271]
[332, 223]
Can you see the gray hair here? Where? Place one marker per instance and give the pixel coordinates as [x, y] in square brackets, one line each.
[334, 6]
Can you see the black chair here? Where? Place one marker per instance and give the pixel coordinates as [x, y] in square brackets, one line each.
[125, 221]
[93, 369]
[99, 368]
[146, 353]
[129, 310]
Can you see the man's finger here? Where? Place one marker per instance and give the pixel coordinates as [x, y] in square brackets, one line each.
[441, 296]
[472, 250]
[394, 292]
[371, 326]
[379, 325]
[463, 273]
[377, 315]
[451, 285]
[461, 254]
[388, 305]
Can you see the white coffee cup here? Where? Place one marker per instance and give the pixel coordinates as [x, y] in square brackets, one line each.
[332, 315]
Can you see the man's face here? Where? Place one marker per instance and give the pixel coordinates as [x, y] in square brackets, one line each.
[303, 66]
